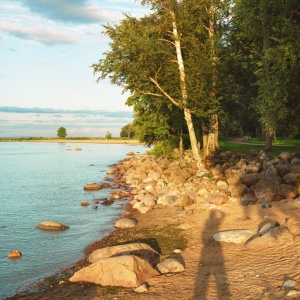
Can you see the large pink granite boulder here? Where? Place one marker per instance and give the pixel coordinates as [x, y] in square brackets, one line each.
[126, 271]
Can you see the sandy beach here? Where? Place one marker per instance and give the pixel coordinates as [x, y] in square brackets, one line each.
[213, 270]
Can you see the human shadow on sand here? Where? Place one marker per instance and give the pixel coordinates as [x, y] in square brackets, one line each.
[211, 268]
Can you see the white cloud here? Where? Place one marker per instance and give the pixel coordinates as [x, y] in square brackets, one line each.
[74, 11]
[38, 34]
[14, 124]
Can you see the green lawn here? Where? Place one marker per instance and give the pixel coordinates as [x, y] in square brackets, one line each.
[279, 146]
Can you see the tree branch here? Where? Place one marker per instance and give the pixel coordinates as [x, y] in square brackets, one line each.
[164, 92]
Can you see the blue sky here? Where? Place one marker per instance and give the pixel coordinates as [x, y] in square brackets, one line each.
[46, 50]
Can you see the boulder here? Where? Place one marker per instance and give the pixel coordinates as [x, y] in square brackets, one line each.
[14, 254]
[237, 190]
[170, 265]
[284, 155]
[85, 203]
[111, 172]
[248, 199]
[294, 225]
[107, 202]
[130, 153]
[289, 284]
[254, 167]
[287, 191]
[292, 178]
[141, 250]
[141, 289]
[149, 201]
[264, 197]
[183, 200]
[155, 175]
[217, 199]
[250, 179]
[125, 271]
[282, 169]
[92, 186]
[267, 227]
[105, 185]
[234, 174]
[126, 223]
[143, 209]
[167, 200]
[222, 185]
[51, 225]
[293, 293]
[203, 191]
[236, 236]
[279, 235]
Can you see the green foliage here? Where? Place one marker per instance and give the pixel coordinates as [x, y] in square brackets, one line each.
[241, 60]
[266, 38]
[108, 135]
[127, 131]
[165, 147]
[61, 132]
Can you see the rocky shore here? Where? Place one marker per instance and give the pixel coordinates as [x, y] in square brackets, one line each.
[230, 234]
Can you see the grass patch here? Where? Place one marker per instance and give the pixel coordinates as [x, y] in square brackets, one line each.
[163, 239]
[279, 146]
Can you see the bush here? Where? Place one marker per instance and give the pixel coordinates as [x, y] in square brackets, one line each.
[165, 147]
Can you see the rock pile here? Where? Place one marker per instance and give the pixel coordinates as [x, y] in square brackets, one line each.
[248, 179]
[253, 179]
[126, 265]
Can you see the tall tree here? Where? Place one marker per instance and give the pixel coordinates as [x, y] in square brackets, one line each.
[271, 33]
[141, 58]
[168, 10]
[61, 132]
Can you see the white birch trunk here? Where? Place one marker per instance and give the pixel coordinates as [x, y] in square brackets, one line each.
[187, 113]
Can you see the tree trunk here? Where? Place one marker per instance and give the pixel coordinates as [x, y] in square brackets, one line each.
[269, 140]
[210, 142]
[187, 113]
[241, 132]
[210, 136]
[181, 143]
[193, 139]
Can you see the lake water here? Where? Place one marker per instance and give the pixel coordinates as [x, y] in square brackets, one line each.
[44, 181]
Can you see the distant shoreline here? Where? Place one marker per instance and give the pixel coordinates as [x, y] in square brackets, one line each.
[90, 141]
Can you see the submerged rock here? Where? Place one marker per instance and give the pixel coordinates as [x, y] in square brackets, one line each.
[14, 254]
[51, 225]
[92, 186]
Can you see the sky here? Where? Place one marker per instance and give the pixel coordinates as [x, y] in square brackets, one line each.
[47, 48]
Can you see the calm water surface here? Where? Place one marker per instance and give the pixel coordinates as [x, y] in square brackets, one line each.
[43, 181]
